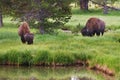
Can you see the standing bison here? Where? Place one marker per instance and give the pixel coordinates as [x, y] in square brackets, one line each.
[24, 33]
[93, 26]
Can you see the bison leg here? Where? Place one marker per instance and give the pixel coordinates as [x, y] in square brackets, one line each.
[98, 33]
[30, 42]
[102, 33]
[29, 38]
[91, 34]
[23, 39]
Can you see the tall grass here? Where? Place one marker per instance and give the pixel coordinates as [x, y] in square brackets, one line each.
[14, 57]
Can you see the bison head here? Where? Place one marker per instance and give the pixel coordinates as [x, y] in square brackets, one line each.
[85, 32]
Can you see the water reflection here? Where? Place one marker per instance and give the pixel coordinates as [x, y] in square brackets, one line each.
[74, 78]
[46, 73]
[79, 78]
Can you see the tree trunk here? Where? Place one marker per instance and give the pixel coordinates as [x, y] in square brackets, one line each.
[105, 8]
[1, 19]
[41, 28]
[84, 4]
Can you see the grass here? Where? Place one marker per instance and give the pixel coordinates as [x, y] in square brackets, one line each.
[112, 19]
[63, 48]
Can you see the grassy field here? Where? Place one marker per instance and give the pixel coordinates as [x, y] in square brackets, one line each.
[64, 48]
[112, 19]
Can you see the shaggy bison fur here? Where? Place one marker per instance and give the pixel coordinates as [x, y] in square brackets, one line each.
[24, 33]
[29, 38]
[93, 26]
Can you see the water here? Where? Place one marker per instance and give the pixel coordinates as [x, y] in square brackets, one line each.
[46, 73]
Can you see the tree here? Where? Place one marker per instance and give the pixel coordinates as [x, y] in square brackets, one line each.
[48, 14]
[52, 13]
[104, 4]
[4, 9]
[1, 19]
[84, 4]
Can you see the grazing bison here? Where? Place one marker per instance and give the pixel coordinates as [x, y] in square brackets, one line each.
[24, 33]
[29, 38]
[93, 26]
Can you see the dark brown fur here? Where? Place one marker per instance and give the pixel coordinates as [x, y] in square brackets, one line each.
[93, 26]
[29, 38]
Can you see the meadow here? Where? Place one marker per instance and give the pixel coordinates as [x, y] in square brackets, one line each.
[64, 48]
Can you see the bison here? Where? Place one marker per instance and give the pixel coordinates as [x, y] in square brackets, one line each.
[24, 33]
[93, 26]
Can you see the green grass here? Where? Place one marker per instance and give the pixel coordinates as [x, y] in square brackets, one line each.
[92, 11]
[57, 47]
[63, 48]
[112, 19]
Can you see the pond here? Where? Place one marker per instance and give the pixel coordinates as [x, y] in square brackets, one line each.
[48, 73]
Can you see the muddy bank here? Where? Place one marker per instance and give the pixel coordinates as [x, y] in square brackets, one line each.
[103, 69]
[78, 63]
